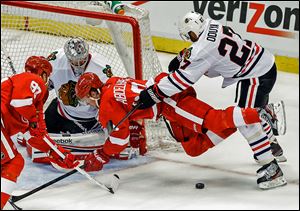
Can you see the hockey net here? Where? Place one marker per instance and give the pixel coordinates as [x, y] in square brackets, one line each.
[39, 28]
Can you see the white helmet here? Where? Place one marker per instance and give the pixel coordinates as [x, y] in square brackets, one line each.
[192, 21]
[77, 52]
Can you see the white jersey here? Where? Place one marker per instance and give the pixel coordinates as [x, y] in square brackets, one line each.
[63, 78]
[218, 52]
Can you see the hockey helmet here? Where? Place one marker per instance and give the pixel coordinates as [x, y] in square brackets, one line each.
[77, 52]
[191, 22]
[86, 83]
[38, 65]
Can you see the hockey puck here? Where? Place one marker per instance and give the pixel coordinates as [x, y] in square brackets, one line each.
[199, 185]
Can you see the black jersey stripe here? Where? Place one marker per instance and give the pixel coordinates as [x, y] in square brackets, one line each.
[254, 63]
[178, 87]
[183, 77]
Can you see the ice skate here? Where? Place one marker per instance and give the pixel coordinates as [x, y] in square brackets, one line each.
[270, 176]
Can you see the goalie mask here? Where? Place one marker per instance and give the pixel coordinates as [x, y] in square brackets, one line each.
[39, 65]
[77, 52]
[88, 87]
[191, 22]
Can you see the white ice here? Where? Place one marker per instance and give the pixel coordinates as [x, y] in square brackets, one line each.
[165, 180]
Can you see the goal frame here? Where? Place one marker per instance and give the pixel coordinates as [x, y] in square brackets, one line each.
[137, 46]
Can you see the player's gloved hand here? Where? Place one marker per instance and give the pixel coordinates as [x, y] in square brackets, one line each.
[33, 128]
[37, 127]
[148, 97]
[42, 125]
[175, 63]
[137, 139]
[95, 160]
[69, 162]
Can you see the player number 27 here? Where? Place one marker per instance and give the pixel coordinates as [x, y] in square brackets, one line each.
[246, 49]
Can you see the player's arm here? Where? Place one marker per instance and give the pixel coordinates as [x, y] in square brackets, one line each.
[24, 98]
[189, 72]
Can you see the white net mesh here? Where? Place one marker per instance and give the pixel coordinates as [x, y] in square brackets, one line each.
[26, 32]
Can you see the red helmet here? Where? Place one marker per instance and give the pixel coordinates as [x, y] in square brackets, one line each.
[86, 82]
[38, 65]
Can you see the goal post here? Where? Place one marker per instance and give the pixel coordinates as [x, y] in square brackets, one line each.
[39, 28]
[136, 35]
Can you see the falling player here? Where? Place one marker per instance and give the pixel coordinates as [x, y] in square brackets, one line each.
[218, 51]
[22, 100]
[195, 124]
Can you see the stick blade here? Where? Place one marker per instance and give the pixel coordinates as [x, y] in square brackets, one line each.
[115, 182]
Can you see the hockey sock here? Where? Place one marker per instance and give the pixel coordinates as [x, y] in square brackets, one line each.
[267, 128]
[258, 141]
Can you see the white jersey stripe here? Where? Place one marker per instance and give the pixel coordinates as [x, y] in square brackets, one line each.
[118, 141]
[238, 118]
[21, 102]
[182, 112]
[215, 139]
[7, 186]
[7, 147]
[154, 109]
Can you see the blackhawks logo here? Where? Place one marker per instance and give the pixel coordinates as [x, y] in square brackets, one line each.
[107, 71]
[67, 94]
[187, 53]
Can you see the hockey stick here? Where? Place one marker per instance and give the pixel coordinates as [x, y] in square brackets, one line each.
[114, 183]
[110, 127]
[14, 199]
[18, 198]
[14, 205]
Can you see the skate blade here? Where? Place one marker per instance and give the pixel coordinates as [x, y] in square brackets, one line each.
[280, 181]
[279, 109]
[280, 159]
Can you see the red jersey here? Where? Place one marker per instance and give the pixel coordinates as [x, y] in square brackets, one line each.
[118, 96]
[22, 95]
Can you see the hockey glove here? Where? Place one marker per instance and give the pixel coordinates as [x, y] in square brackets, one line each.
[37, 127]
[69, 162]
[175, 63]
[95, 160]
[148, 97]
[137, 137]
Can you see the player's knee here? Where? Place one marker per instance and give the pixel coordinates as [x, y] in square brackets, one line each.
[197, 145]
